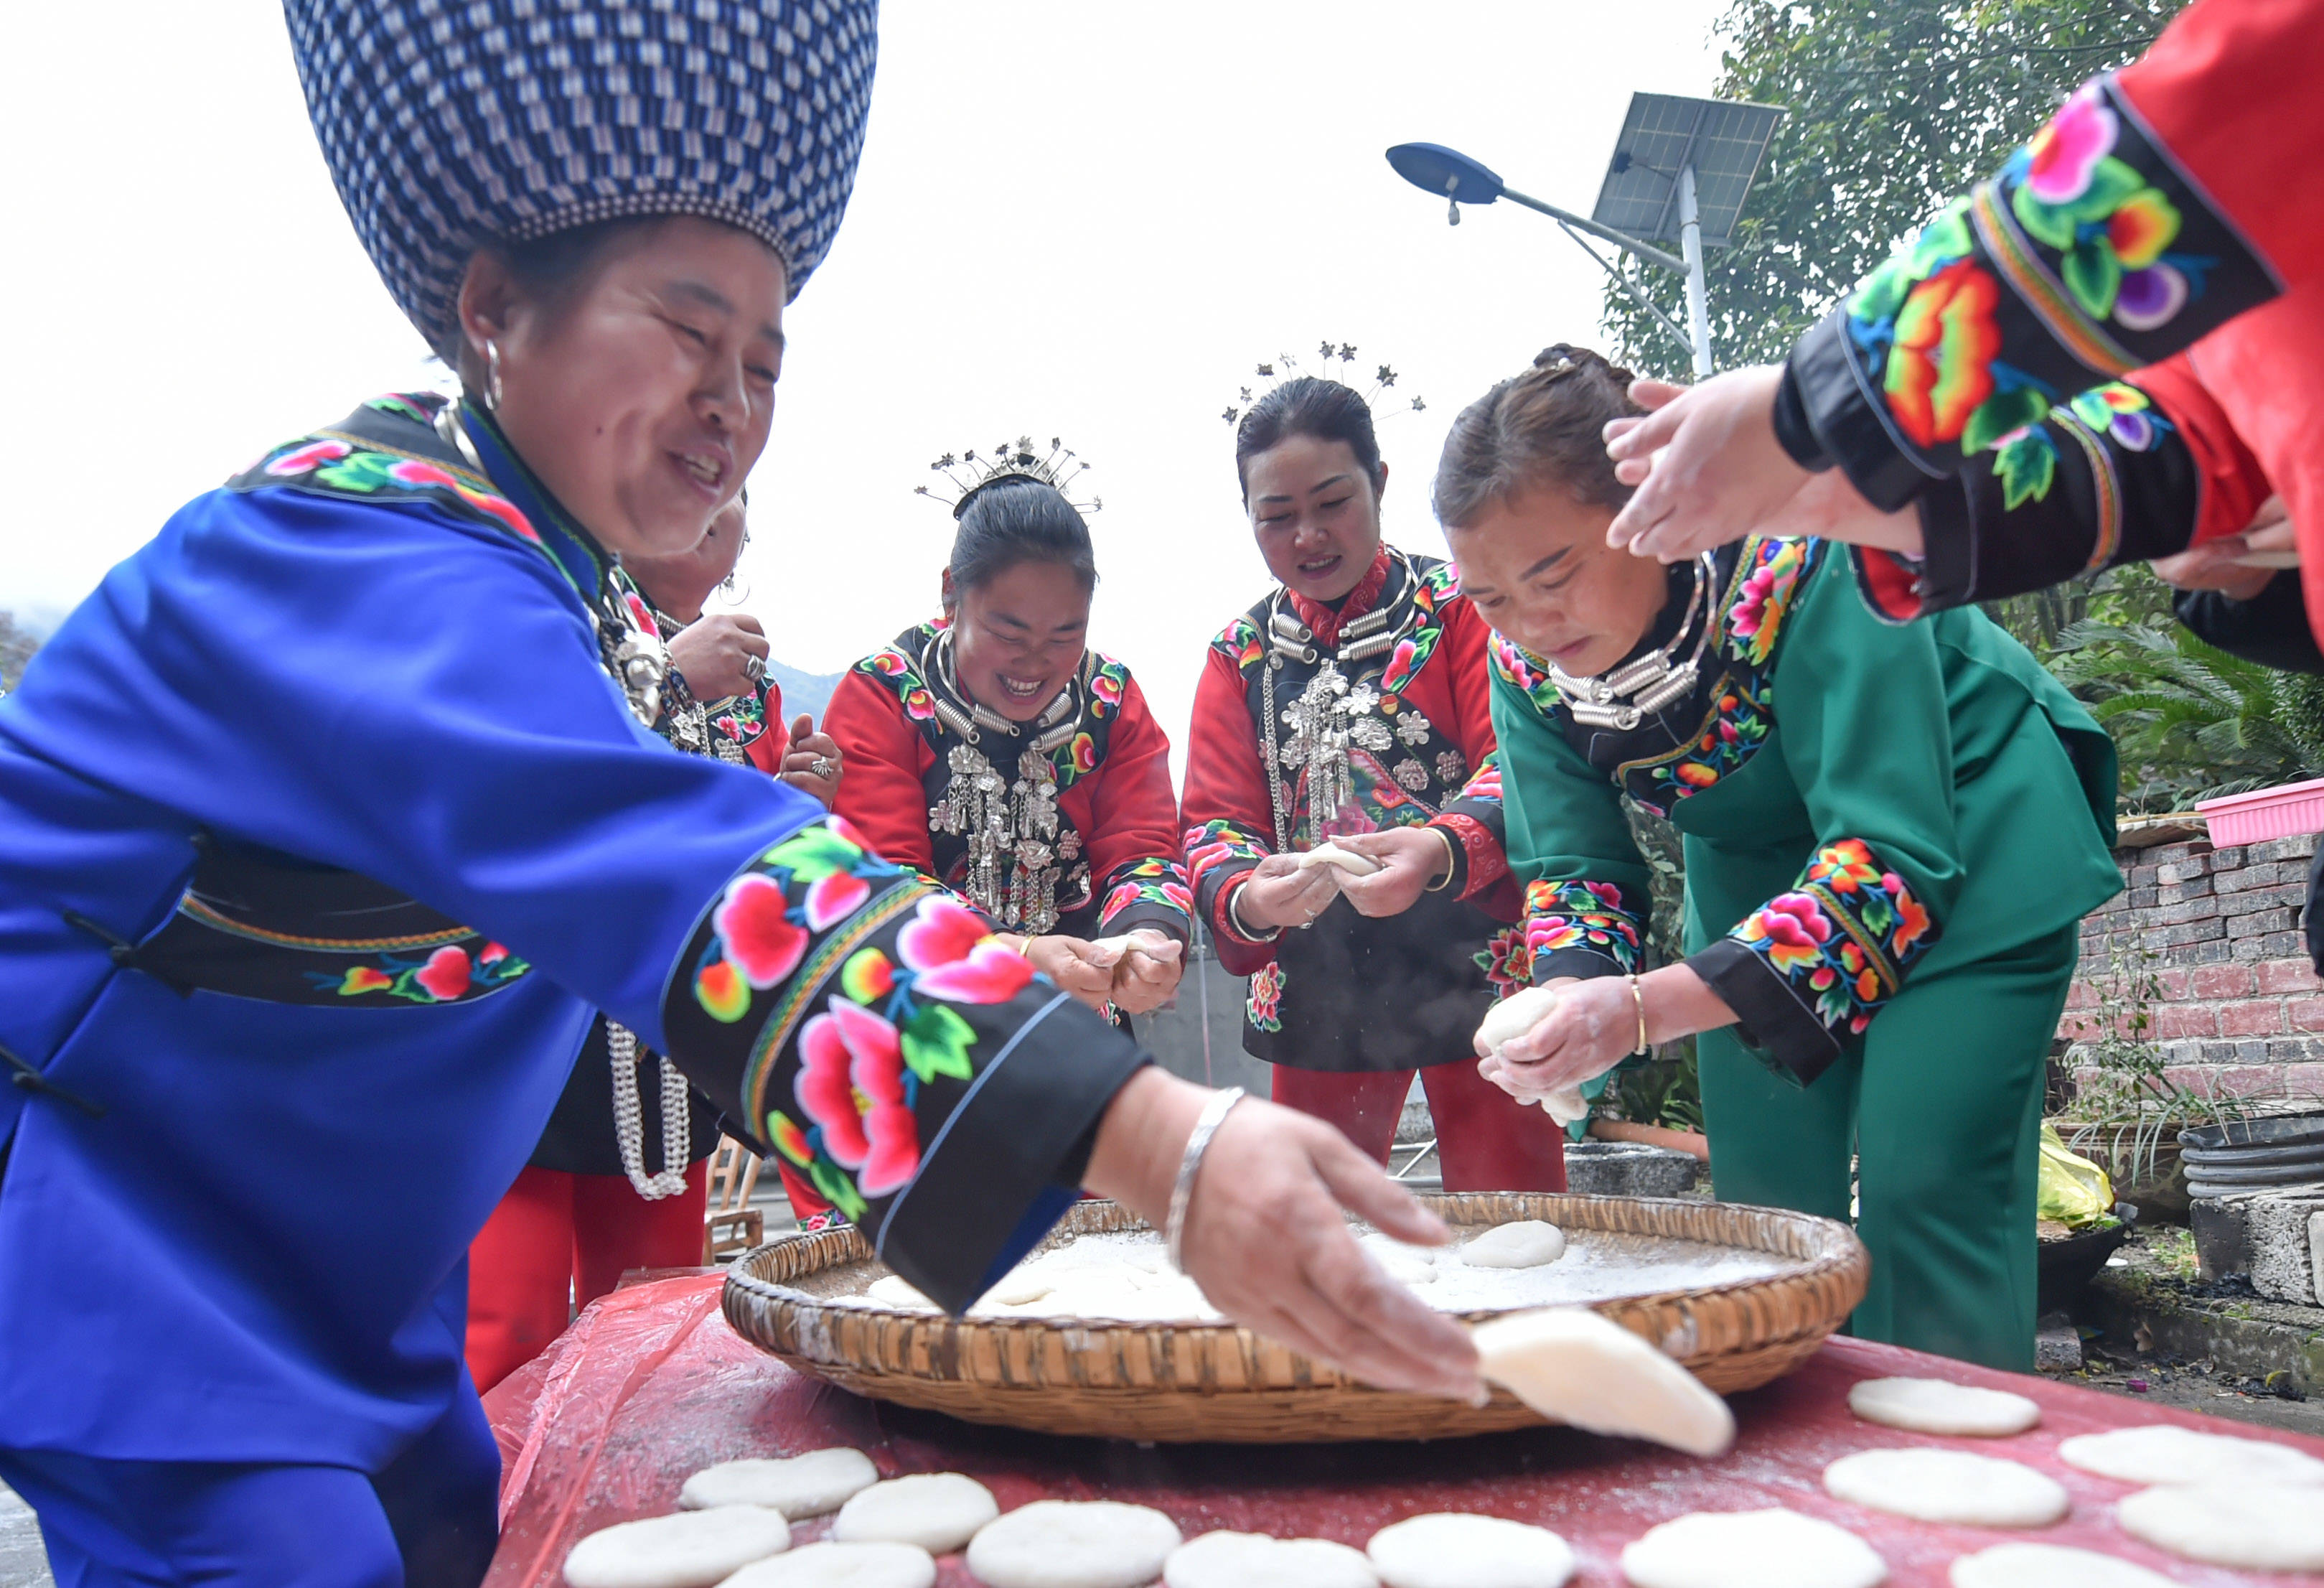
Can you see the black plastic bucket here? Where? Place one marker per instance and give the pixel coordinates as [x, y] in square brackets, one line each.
[2254, 1155]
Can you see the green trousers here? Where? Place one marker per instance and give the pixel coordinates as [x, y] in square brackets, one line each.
[1941, 1103]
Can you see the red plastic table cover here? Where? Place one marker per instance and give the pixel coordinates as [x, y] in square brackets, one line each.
[649, 1386]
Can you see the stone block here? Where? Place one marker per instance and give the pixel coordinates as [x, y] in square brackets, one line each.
[2187, 1020]
[2185, 870]
[2137, 899]
[2294, 846]
[2171, 893]
[2277, 1235]
[2316, 1252]
[2057, 1345]
[2217, 952]
[1628, 1168]
[2196, 909]
[2143, 876]
[2289, 941]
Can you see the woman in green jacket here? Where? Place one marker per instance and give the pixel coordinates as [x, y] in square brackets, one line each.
[1891, 834]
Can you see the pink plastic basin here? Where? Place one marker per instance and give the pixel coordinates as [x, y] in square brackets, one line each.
[2266, 813]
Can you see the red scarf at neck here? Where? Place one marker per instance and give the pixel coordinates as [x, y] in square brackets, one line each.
[1322, 622]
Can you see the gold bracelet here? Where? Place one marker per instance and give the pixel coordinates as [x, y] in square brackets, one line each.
[1025, 948]
[1639, 998]
[1451, 861]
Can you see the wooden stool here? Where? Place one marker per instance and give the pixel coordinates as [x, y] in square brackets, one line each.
[730, 1224]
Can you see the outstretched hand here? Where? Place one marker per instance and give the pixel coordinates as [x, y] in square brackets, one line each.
[1266, 1240]
[1706, 464]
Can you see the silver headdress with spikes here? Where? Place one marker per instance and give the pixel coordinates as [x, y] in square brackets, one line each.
[968, 473]
[1333, 362]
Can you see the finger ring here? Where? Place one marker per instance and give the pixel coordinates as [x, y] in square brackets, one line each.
[754, 668]
[822, 769]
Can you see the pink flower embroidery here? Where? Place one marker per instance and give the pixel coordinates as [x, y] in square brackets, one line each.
[761, 940]
[446, 974]
[299, 460]
[2065, 154]
[990, 974]
[834, 898]
[941, 931]
[851, 1082]
[1795, 928]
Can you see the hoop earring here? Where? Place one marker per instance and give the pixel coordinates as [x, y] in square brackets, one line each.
[492, 373]
[737, 597]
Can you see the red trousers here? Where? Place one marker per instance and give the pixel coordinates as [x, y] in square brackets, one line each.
[556, 1243]
[1486, 1139]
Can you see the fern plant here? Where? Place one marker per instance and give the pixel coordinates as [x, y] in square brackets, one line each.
[2190, 722]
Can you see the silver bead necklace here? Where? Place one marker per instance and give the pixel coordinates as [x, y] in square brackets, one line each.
[629, 1118]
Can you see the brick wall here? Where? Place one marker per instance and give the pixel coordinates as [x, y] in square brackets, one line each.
[2242, 1012]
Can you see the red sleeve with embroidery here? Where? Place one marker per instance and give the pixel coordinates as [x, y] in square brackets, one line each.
[2230, 89]
[884, 763]
[1473, 816]
[1131, 828]
[1227, 818]
[774, 742]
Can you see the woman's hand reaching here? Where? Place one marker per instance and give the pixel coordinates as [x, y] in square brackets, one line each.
[1264, 1238]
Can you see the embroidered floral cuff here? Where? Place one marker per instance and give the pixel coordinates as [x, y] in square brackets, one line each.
[1219, 854]
[1581, 930]
[1152, 895]
[1806, 972]
[1479, 827]
[2090, 251]
[916, 1073]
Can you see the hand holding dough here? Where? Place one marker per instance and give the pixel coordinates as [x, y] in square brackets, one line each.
[1347, 860]
[1578, 1367]
[1512, 1018]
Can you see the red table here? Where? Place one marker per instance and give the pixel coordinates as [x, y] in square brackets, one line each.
[649, 1385]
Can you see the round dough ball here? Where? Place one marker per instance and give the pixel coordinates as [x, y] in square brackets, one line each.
[2165, 1453]
[1073, 1544]
[1452, 1549]
[1254, 1560]
[797, 1486]
[1938, 1485]
[2259, 1527]
[1515, 1015]
[895, 1291]
[842, 1566]
[1936, 1405]
[1527, 1243]
[1583, 1368]
[2050, 1565]
[938, 1511]
[1772, 1549]
[692, 1549]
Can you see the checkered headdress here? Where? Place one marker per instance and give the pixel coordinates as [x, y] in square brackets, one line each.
[447, 123]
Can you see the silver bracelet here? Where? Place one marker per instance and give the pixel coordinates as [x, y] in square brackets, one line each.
[1182, 1192]
[1235, 918]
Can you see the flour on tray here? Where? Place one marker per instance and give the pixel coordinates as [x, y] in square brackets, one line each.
[1124, 1277]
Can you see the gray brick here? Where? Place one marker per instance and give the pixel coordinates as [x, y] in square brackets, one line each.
[2138, 898]
[2296, 846]
[2293, 1049]
[2227, 859]
[2180, 892]
[2173, 937]
[2255, 924]
[2219, 951]
[2252, 903]
[2184, 871]
[2194, 910]
[2218, 1053]
[2243, 879]
[2286, 945]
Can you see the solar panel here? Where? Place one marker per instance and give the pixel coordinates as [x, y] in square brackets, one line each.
[1724, 139]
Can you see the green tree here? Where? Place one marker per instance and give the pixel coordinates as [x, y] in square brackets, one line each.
[1892, 107]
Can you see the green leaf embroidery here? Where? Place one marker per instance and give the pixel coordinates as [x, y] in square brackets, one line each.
[2027, 466]
[837, 1189]
[936, 1043]
[2093, 275]
[813, 854]
[2001, 413]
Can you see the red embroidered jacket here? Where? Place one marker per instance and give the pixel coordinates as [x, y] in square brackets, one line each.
[1118, 864]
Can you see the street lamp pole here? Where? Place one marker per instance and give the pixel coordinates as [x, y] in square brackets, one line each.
[1698, 301]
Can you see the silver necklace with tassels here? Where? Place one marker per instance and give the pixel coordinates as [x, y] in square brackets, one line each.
[1635, 690]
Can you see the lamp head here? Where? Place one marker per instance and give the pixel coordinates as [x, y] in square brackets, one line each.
[1448, 172]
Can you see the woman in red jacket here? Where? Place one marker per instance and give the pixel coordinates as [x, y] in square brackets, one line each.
[1350, 705]
[997, 752]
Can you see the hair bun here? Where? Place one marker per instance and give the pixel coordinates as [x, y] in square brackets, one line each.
[1562, 354]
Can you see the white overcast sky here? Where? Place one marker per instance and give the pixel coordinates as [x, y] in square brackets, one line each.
[1082, 218]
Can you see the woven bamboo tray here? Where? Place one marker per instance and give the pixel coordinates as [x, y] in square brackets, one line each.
[1187, 1382]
